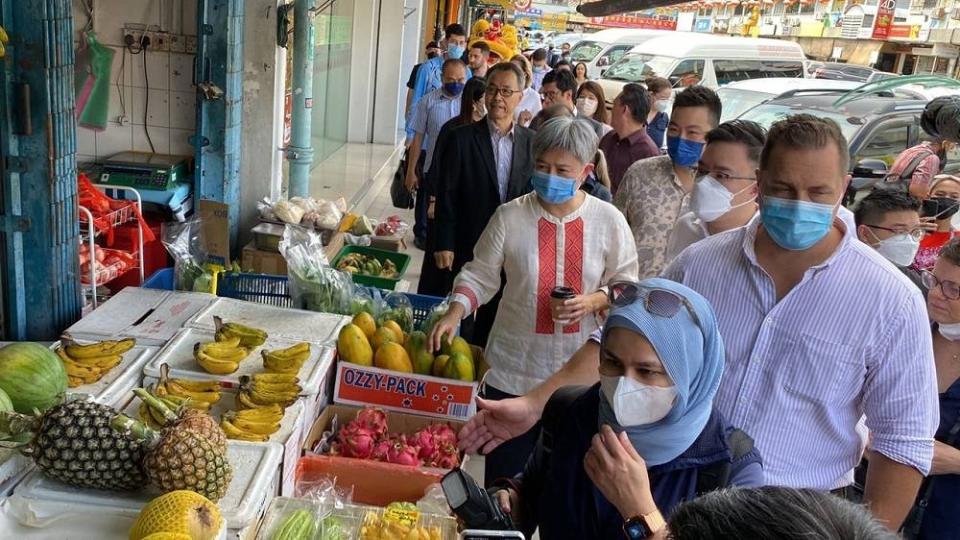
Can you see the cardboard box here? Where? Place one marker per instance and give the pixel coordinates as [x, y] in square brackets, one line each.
[389, 243]
[262, 262]
[215, 219]
[373, 482]
[405, 392]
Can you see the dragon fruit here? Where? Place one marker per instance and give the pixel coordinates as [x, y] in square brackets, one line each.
[426, 445]
[374, 420]
[380, 450]
[356, 441]
[443, 434]
[402, 452]
[448, 457]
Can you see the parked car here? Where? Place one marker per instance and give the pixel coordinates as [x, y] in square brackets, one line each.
[710, 60]
[839, 71]
[602, 49]
[877, 126]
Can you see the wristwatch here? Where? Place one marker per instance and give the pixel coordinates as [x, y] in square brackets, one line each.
[644, 526]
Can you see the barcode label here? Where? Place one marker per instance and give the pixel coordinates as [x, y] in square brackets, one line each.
[458, 410]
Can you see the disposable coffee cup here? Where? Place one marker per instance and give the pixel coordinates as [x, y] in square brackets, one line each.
[557, 296]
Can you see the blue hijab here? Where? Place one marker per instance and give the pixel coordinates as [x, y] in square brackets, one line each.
[692, 358]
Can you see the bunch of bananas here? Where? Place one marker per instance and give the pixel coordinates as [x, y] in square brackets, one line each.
[249, 337]
[4, 39]
[266, 389]
[256, 424]
[197, 394]
[288, 360]
[221, 357]
[154, 418]
[87, 364]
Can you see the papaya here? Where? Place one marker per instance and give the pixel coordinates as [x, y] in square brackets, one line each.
[366, 323]
[382, 336]
[395, 328]
[459, 345]
[420, 355]
[353, 346]
[440, 365]
[460, 367]
[392, 356]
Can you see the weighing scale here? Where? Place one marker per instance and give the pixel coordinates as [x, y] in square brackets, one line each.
[161, 179]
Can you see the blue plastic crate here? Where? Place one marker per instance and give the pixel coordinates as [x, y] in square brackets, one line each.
[161, 279]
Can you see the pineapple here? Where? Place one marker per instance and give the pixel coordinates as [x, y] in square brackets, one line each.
[73, 443]
[178, 458]
[178, 514]
[185, 417]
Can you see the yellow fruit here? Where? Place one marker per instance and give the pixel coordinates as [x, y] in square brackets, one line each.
[366, 323]
[382, 336]
[353, 346]
[167, 536]
[440, 365]
[460, 367]
[392, 356]
[178, 512]
[459, 345]
[99, 349]
[395, 328]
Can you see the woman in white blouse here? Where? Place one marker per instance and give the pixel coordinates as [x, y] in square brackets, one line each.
[556, 236]
[530, 102]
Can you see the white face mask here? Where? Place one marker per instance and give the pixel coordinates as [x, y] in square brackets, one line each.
[949, 331]
[899, 249]
[662, 105]
[635, 403]
[586, 106]
[710, 200]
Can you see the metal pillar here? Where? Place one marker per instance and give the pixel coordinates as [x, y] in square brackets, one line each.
[300, 151]
[219, 76]
[39, 231]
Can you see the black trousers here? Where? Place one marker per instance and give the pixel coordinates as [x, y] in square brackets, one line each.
[508, 459]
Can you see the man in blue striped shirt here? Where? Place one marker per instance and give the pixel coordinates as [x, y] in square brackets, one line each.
[454, 44]
[819, 329]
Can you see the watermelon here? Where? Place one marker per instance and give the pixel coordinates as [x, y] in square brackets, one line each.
[32, 376]
[5, 404]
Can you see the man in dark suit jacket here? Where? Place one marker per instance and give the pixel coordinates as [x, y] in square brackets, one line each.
[485, 164]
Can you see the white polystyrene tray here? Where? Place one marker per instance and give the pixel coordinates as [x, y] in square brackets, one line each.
[178, 354]
[280, 322]
[114, 388]
[13, 465]
[254, 467]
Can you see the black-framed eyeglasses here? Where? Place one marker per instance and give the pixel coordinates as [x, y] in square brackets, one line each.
[699, 173]
[659, 302]
[950, 290]
[915, 233]
[492, 91]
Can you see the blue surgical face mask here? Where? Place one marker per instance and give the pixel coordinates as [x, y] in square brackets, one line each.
[453, 88]
[455, 51]
[795, 225]
[553, 189]
[684, 152]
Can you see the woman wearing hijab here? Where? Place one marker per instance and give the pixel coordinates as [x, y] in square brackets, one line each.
[624, 453]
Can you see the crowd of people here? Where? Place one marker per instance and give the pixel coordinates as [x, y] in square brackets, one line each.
[724, 322]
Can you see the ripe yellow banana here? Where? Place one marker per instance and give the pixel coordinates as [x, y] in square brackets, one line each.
[215, 366]
[206, 397]
[197, 386]
[299, 352]
[284, 399]
[234, 432]
[249, 383]
[262, 414]
[274, 364]
[4, 38]
[74, 382]
[249, 336]
[221, 351]
[77, 370]
[146, 415]
[276, 378]
[104, 363]
[243, 401]
[259, 428]
[97, 350]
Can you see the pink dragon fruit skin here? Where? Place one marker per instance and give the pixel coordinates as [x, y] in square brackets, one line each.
[356, 441]
[426, 445]
[403, 453]
[381, 450]
[443, 434]
[448, 457]
[373, 419]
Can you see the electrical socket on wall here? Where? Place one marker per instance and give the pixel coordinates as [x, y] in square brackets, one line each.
[191, 44]
[159, 41]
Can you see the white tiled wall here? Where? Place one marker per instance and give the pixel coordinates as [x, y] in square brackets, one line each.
[171, 117]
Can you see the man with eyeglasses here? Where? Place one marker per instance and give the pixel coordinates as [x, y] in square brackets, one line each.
[725, 190]
[888, 220]
[558, 88]
[485, 164]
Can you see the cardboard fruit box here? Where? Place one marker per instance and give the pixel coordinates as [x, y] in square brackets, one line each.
[408, 392]
[373, 482]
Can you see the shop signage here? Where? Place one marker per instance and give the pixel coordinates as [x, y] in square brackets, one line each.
[492, 4]
[521, 5]
[627, 21]
[884, 21]
[904, 31]
[702, 24]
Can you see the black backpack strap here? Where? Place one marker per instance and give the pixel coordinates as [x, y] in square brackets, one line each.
[907, 174]
[553, 413]
[717, 475]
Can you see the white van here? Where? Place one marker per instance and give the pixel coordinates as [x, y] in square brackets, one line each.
[688, 58]
[601, 49]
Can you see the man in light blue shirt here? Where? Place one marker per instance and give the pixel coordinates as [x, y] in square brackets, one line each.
[429, 74]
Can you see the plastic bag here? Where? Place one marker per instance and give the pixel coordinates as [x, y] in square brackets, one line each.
[398, 309]
[392, 226]
[314, 285]
[436, 313]
[366, 299]
[329, 215]
[434, 501]
[265, 208]
[184, 242]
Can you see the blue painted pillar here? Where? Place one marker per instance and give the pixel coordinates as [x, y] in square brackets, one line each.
[38, 171]
[300, 151]
[219, 76]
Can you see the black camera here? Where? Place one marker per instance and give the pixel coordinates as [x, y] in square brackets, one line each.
[472, 504]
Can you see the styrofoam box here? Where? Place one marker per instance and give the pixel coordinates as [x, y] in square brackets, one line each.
[291, 434]
[114, 388]
[278, 322]
[255, 467]
[152, 317]
[178, 354]
[14, 466]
